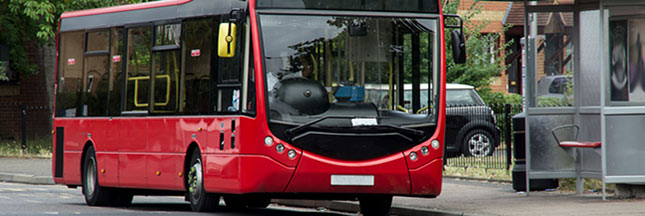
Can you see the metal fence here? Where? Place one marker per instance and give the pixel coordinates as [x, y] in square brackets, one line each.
[25, 128]
[501, 156]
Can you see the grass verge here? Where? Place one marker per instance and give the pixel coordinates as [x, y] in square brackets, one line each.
[40, 147]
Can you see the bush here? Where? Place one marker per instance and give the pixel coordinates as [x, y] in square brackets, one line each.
[500, 98]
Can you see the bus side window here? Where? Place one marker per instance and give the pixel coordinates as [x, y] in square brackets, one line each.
[138, 70]
[228, 82]
[70, 74]
[96, 66]
[115, 86]
[197, 85]
[165, 68]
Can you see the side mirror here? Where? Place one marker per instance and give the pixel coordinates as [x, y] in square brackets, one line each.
[227, 40]
[458, 47]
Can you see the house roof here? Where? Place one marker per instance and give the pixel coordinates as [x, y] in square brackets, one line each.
[515, 15]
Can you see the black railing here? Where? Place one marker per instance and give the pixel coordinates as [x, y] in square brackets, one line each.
[25, 128]
[465, 121]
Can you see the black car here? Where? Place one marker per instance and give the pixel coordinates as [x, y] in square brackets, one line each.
[470, 125]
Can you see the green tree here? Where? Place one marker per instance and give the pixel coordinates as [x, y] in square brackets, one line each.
[25, 23]
[485, 58]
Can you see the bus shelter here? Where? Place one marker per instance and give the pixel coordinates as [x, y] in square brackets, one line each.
[584, 90]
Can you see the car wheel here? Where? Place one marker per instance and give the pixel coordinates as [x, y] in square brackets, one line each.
[478, 143]
[200, 200]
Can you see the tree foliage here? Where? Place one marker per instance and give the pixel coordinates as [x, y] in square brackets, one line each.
[26, 23]
[485, 58]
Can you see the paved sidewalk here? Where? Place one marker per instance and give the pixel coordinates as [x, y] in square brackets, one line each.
[458, 197]
[29, 171]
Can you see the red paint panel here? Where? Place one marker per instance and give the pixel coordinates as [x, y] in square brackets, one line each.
[426, 180]
[313, 175]
[245, 174]
[164, 136]
[168, 168]
[72, 169]
[132, 145]
[132, 169]
[123, 8]
[110, 164]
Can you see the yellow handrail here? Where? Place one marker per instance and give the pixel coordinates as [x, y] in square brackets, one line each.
[136, 89]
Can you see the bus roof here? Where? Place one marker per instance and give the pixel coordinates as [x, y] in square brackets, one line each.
[135, 14]
[123, 8]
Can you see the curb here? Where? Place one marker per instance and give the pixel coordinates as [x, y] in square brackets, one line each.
[26, 179]
[349, 206]
[466, 178]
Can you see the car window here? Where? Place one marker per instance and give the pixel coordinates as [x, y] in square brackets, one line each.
[462, 97]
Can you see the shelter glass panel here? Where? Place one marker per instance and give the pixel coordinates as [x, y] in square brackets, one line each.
[625, 57]
[554, 63]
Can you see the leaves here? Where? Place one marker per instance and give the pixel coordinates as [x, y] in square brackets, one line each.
[26, 23]
[485, 58]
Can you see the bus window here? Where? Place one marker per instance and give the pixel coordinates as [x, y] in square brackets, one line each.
[138, 71]
[115, 85]
[95, 76]
[165, 68]
[197, 84]
[228, 85]
[70, 74]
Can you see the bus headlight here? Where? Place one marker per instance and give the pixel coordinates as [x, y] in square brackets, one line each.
[279, 148]
[425, 150]
[291, 154]
[435, 144]
[268, 141]
[413, 156]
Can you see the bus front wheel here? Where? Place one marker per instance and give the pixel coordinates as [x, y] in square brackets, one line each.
[375, 205]
[200, 200]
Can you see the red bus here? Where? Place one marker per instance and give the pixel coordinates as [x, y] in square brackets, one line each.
[251, 100]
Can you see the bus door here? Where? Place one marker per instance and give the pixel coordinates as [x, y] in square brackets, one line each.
[133, 127]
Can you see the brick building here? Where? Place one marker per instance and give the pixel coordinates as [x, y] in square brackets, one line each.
[554, 49]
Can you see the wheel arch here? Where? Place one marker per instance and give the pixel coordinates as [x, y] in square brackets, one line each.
[87, 146]
[189, 154]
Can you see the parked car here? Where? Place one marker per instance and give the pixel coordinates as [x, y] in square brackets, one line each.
[470, 125]
[555, 87]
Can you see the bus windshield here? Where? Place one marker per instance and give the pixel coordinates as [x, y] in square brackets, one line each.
[350, 67]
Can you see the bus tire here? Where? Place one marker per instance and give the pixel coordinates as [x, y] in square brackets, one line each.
[94, 194]
[200, 200]
[375, 205]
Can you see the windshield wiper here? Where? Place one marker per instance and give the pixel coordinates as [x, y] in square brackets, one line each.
[295, 130]
[416, 132]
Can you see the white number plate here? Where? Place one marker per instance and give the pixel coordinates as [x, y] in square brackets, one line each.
[364, 122]
[352, 180]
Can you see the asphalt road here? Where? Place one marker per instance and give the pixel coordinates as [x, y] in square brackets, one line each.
[20, 199]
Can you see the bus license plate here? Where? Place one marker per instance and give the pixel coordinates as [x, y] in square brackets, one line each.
[352, 180]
